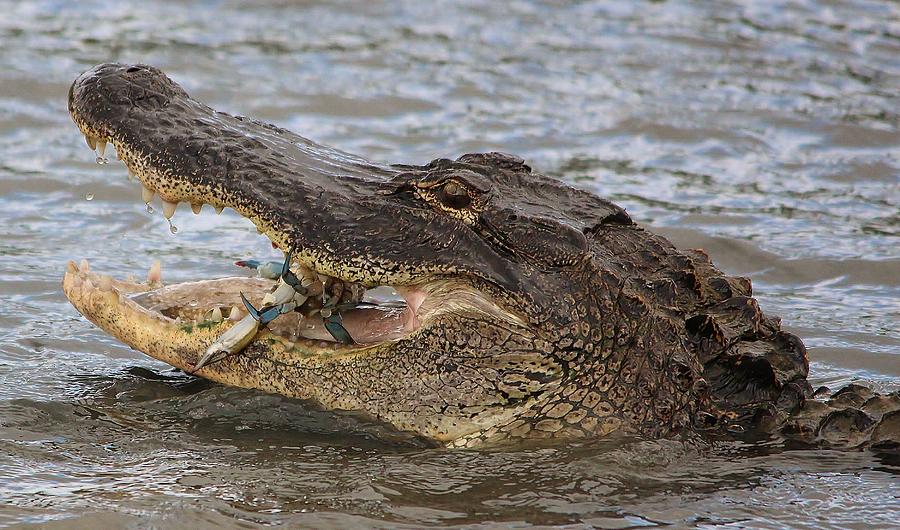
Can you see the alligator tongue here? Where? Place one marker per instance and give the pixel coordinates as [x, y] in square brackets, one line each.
[368, 325]
[383, 317]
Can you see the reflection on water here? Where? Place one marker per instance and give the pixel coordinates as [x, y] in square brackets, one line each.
[767, 134]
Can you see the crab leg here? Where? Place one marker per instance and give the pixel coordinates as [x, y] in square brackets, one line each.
[288, 294]
[335, 325]
[271, 270]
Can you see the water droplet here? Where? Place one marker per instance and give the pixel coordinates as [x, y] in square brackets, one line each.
[149, 208]
[102, 160]
[192, 303]
[172, 228]
[89, 196]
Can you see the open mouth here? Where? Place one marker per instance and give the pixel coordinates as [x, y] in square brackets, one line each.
[318, 314]
[381, 314]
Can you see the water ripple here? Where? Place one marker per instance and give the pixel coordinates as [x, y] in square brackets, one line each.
[765, 132]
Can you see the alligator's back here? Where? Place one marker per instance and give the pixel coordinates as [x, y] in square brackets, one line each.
[752, 374]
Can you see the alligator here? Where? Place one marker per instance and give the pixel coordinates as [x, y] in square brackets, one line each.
[523, 308]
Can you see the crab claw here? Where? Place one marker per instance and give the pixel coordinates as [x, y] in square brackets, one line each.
[248, 263]
[232, 341]
[250, 309]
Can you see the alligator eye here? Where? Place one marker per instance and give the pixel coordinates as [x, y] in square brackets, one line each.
[453, 195]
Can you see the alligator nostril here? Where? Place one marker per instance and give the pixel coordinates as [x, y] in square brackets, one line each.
[133, 69]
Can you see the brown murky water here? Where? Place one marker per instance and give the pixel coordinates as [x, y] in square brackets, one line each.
[769, 135]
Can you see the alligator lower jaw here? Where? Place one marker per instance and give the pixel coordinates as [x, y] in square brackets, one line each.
[177, 323]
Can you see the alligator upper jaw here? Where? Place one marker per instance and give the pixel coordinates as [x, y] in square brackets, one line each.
[340, 215]
[184, 151]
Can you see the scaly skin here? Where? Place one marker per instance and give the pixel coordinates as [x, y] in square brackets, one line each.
[548, 312]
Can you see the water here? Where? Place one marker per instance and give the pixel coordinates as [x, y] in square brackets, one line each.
[766, 134]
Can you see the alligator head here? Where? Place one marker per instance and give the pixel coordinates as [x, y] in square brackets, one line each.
[532, 308]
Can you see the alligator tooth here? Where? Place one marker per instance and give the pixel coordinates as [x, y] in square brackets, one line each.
[101, 151]
[88, 284]
[155, 273]
[235, 314]
[85, 266]
[147, 194]
[219, 209]
[216, 315]
[91, 142]
[71, 267]
[196, 208]
[169, 209]
[131, 175]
